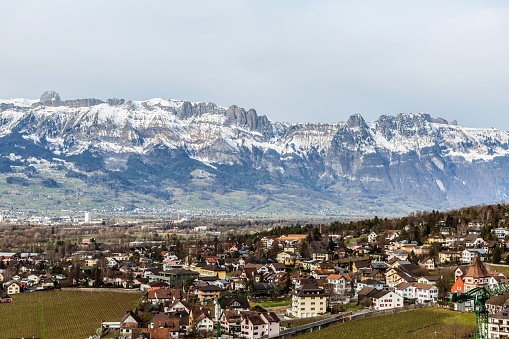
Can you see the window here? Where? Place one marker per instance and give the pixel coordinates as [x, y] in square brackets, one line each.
[312, 308]
[313, 303]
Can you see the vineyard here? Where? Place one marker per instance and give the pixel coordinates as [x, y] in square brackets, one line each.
[424, 323]
[71, 314]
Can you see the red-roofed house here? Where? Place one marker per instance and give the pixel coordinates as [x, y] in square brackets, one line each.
[459, 286]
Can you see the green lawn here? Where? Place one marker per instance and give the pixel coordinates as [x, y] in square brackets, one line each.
[424, 323]
[274, 303]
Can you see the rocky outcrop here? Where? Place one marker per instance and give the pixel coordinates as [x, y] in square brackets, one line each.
[49, 96]
[249, 119]
[69, 103]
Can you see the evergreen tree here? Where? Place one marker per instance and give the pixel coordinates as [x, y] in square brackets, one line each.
[304, 249]
[250, 285]
[497, 255]
[443, 287]
[317, 236]
[332, 245]
[288, 283]
[403, 235]
[413, 258]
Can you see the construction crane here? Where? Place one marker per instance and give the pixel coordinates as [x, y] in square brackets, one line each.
[479, 295]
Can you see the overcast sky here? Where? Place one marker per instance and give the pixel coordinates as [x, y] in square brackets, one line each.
[292, 60]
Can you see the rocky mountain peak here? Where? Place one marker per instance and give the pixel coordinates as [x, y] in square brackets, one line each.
[50, 96]
[356, 121]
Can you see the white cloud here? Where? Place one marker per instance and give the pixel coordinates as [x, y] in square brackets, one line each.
[291, 60]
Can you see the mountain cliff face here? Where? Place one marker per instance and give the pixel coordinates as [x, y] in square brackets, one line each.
[157, 146]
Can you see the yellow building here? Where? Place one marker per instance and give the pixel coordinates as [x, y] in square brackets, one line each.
[449, 256]
[308, 301]
[286, 258]
[213, 271]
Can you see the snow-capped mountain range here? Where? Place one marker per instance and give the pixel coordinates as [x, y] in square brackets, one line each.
[412, 159]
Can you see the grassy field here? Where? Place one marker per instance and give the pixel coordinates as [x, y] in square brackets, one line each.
[425, 323]
[274, 303]
[62, 314]
[504, 269]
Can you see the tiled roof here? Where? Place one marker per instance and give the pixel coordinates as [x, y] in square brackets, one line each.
[477, 270]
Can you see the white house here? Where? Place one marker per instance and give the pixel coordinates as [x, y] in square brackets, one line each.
[177, 306]
[473, 240]
[203, 323]
[341, 282]
[501, 232]
[468, 255]
[405, 290]
[425, 292]
[34, 279]
[369, 283]
[384, 300]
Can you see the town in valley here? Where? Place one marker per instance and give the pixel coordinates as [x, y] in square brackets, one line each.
[257, 278]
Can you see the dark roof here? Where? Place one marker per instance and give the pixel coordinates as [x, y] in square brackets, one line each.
[214, 278]
[308, 290]
[371, 282]
[361, 263]
[471, 237]
[498, 300]
[271, 316]
[410, 268]
[182, 271]
[379, 265]
[227, 302]
[366, 290]
[278, 265]
[162, 293]
[166, 321]
[255, 319]
[423, 260]
[232, 316]
[263, 286]
[128, 314]
[213, 268]
[378, 294]
[158, 284]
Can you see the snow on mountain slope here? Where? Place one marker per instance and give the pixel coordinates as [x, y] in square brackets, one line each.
[412, 159]
[138, 126]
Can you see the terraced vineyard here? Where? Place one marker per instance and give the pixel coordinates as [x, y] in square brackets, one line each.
[70, 314]
[418, 324]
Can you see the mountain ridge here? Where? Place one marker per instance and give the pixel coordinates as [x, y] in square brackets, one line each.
[411, 160]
